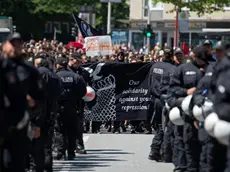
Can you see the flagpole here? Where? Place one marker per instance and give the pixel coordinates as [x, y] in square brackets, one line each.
[75, 19]
[109, 18]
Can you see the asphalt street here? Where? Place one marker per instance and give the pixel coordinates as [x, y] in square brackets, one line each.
[114, 153]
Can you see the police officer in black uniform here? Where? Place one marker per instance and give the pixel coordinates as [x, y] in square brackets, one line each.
[160, 76]
[75, 66]
[220, 99]
[12, 111]
[74, 90]
[16, 143]
[211, 157]
[169, 137]
[53, 90]
[184, 83]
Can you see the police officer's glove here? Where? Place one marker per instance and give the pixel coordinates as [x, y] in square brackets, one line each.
[179, 102]
[199, 100]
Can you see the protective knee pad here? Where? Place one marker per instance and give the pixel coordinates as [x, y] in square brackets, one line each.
[222, 132]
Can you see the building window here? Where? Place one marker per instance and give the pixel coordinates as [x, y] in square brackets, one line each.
[57, 25]
[145, 8]
[137, 40]
[65, 27]
[227, 7]
[48, 27]
[153, 6]
[157, 6]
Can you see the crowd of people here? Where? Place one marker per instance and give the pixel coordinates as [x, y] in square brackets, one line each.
[43, 83]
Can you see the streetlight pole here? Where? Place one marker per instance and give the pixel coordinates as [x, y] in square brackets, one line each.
[109, 18]
[148, 22]
[55, 33]
[176, 30]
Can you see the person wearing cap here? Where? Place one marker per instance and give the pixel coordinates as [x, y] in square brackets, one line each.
[32, 85]
[208, 46]
[210, 158]
[74, 89]
[74, 66]
[179, 56]
[160, 76]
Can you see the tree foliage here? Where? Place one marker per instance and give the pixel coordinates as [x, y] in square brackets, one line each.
[119, 10]
[30, 15]
[199, 6]
[59, 6]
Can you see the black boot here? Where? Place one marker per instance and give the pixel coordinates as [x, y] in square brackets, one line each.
[71, 156]
[154, 156]
[60, 156]
[123, 127]
[80, 149]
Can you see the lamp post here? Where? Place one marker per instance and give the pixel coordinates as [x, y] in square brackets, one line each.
[109, 12]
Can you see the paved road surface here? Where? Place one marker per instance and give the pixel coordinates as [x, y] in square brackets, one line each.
[114, 153]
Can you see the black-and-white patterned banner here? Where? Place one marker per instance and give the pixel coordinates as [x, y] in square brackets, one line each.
[121, 91]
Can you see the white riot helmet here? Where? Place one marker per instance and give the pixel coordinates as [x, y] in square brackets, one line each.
[185, 104]
[90, 94]
[210, 123]
[201, 112]
[175, 116]
[222, 132]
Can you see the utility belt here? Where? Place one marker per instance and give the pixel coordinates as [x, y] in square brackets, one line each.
[64, 106]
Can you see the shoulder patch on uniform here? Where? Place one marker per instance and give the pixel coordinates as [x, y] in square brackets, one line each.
[190, 73]
[158, 71]
[67, 79]
[221, 89]
[208, 74]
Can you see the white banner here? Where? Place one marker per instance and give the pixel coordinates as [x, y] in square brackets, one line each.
[98, 46]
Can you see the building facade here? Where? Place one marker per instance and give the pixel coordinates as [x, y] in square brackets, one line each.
[163, 23]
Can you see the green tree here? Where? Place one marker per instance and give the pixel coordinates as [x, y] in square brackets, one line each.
[59, 6]
[30, 15]
[199, 6]
[119, 10]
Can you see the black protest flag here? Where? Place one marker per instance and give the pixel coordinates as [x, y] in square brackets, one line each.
[85, 28]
